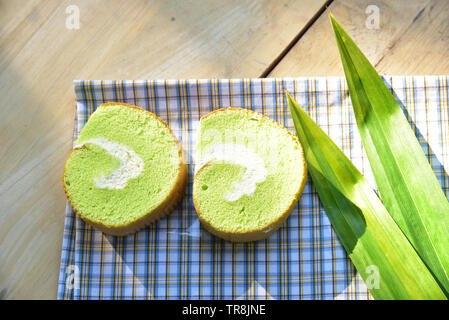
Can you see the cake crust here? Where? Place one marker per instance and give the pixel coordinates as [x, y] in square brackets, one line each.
[267, 231]
[165, 208]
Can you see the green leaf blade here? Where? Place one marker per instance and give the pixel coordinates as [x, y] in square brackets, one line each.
[406, 182]
[363, 225]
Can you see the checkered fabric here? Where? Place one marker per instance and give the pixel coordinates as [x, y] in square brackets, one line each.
[177, 259]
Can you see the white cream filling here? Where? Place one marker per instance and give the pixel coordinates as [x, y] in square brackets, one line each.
[239, 155]
[131, 165]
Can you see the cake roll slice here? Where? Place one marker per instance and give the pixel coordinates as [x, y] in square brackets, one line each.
[249, 174]
[126, 170]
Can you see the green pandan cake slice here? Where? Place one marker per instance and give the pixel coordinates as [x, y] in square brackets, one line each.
[249, 174]
[126, 169]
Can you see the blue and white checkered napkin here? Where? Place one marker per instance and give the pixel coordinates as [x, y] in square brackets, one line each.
[176, 259]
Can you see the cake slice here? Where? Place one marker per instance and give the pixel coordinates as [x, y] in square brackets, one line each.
[126, 170]
[249, 174]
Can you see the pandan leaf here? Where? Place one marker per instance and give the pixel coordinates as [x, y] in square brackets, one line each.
[381, 253]
[408, 186]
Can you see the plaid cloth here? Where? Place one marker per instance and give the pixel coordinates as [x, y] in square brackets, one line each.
[176, 259]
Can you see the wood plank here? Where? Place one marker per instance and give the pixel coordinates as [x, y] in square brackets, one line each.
[39, 58]
[412, 39]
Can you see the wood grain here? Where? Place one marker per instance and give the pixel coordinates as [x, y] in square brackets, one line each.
[39, 59]
[413, 39]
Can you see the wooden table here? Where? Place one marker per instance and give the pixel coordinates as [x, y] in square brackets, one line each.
[40, 56]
